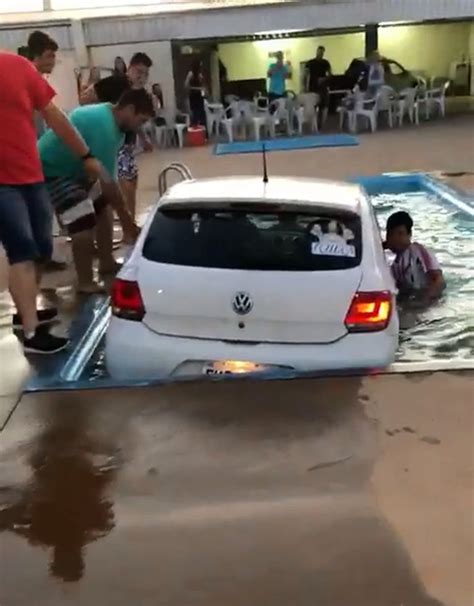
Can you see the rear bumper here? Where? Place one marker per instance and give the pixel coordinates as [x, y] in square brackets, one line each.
[133, 352]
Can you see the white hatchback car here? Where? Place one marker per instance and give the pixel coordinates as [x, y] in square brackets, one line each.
[232, 275]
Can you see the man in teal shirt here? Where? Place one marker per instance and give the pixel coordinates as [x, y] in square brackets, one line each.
[278, 73]
[80, 205]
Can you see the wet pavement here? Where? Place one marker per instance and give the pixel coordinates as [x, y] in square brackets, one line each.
[335, 492]
[328, 492]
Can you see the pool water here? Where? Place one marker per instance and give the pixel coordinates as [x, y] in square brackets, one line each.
[446, 329]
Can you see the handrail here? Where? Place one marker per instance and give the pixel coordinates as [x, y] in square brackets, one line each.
[182, 170]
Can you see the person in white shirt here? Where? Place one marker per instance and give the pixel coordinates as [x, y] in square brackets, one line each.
[415, 269]
[376, 74]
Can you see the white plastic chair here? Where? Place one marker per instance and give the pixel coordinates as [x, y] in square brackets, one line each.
[242, 113]
[161, 136]
[179, 129]
[365, 107]
[261, 121]
[346, 112]
[214, 115]
[228, 124]
[422, 102]
[386, 101]
[172, 132]
[370, 108]
[279, 113]
[162, 132]
[306, 112]
[407, 105]
[436, 98]
[261, 117]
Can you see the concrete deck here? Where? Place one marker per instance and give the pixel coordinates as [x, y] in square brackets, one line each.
[347, 492]
[436, 146]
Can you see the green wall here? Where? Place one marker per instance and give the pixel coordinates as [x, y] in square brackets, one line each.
[426, 48]
[250, 59]
[429, 48]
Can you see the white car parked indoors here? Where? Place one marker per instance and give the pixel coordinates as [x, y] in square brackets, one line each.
[234, 275]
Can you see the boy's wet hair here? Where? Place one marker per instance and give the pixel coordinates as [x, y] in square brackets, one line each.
[140, 100]
[40, 42]
[398, 219]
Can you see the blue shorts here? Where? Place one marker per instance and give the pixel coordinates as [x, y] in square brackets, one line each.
[26, 222]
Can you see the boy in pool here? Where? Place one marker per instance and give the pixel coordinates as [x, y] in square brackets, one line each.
[415, 269]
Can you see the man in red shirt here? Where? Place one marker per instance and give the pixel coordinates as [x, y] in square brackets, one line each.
[25, 209]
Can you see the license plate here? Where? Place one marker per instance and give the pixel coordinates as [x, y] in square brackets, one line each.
[232, 367]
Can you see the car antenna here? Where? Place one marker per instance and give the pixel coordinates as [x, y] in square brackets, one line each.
[265, 171]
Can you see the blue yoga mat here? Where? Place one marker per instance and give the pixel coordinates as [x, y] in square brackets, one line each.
[250, 147]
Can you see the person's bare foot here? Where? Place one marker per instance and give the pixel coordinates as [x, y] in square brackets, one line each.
[91, 288]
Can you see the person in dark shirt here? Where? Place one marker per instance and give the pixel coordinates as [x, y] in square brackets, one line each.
[111, 88]
[194, 85]
[120, 67]
[318, 70]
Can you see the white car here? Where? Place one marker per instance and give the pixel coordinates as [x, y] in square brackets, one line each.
[232, 275]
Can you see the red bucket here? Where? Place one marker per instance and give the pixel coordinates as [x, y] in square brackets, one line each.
[196, 136]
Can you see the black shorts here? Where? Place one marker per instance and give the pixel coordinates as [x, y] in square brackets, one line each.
[75, 203]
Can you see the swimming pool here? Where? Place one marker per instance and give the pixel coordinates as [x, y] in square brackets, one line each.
[446, 329]
[443, 331]
[442, 334]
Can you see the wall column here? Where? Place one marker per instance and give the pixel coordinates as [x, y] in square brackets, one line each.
[166, 77]
[471, 56]
[79, 43]
[215, 80]
[371, 38]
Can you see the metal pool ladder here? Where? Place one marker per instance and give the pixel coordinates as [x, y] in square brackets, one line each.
[182, 170]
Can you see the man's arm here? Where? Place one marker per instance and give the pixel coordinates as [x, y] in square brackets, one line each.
[433, 272]
[59, 123]
[88, 96]
[436, 284]
[187, 81]
[288, 71]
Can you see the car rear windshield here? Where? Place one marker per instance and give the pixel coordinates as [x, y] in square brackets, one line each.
[264, 240]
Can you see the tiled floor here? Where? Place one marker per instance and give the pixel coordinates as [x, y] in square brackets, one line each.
[440, 145]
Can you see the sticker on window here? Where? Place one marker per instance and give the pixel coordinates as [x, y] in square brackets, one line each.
[331, 248]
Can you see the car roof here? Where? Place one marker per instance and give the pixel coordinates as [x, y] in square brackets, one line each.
[289, 190]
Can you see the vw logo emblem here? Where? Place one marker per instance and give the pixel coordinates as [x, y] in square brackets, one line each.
[242, 303]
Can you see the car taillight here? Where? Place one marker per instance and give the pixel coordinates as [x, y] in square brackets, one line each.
[126, 300]
[369, 311]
